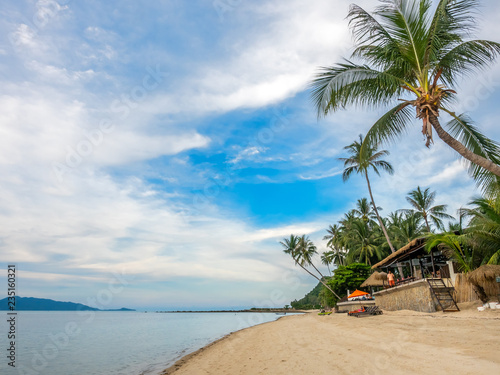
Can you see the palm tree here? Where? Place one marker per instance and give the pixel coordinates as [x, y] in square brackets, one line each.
[365, 211]
[301, 249]
[346, 221]
[422, 202]
[360, 162]
[336, 242]
[366, 242]
[327, 259]
[412, 55]
[339, 257]
[483, 231]
[458, 248]
[332, 236]
[305, 252]
[409, 227]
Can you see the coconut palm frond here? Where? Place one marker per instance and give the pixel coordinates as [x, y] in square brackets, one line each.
[351, 84]
[495, 258]
[463, 128]
[413, 51]
[467, 58]
[391, 126]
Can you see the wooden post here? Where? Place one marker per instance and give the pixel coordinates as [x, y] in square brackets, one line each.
[421, 267]
[433, 267]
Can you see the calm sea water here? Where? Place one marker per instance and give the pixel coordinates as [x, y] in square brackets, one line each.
[112, 343]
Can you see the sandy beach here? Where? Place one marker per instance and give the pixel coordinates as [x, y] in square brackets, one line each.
[401, 342]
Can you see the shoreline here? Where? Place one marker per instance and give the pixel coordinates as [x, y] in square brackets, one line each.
[232, 311]
[185, 359]
[465, 342]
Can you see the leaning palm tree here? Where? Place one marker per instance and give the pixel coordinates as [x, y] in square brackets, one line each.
[305, 251]
[327, 259]
[301, 249]
[360, 163]
[422, 202]
[407, 53]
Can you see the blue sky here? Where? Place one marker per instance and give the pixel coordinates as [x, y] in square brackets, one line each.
[155, 153]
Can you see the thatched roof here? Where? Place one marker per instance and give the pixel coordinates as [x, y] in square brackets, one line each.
[488, 272]
[380, 275]
[414, 245]
[374, 280]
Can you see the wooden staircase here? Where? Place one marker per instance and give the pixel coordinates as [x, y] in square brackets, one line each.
[443, 294]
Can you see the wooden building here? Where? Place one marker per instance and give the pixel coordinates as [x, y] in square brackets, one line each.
[426, 283]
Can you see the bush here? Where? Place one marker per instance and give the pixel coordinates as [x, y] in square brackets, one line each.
[345, 278]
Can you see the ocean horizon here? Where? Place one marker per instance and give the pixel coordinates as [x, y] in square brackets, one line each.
[114, 343]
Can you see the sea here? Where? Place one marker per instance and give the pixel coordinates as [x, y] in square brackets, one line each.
[110, 343]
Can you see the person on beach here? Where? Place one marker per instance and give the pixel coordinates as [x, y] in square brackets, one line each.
[390, 278]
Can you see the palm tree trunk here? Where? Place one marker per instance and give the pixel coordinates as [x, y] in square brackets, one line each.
[400, 269]
[318, 271]
[320, 280]
[432, 255]
[481, 294]
[427, 223]
[461, 149]
[378, 216]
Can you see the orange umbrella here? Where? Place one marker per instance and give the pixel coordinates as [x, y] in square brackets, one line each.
[357, 293]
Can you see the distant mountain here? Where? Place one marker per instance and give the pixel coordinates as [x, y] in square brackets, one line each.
[42, 304]
[310, 300]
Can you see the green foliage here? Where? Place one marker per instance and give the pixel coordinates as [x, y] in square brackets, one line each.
[422, 202]
[455, 247]
[405, 226]
[413, 52]
[346, 278]
[311, 300]
[327, 299]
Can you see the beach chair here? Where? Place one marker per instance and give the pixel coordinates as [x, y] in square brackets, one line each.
[361, 309]
[371, 310]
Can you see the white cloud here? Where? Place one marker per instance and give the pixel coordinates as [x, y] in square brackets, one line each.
[96, 221]
[318, 176]
[246, 153]
[273, 62]
[24, 36]
[55, 75]
[450, 173]
[122, 147]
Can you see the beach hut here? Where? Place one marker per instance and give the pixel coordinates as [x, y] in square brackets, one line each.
[484, 274]
[375, 279]
[357, 294]
[426, 284]
[483, 279]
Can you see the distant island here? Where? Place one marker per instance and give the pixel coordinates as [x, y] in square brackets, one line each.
[42, 304]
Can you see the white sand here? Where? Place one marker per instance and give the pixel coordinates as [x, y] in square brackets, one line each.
[402, 342]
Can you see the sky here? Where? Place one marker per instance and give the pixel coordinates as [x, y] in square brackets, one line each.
[153, 154]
